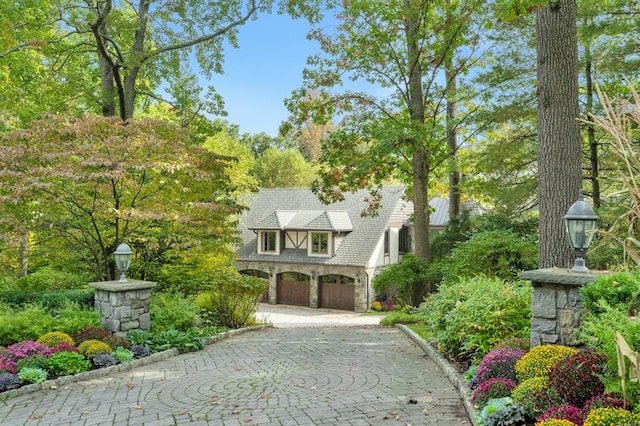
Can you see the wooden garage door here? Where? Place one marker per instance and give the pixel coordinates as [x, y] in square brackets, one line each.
[337, 292]
[293, 289]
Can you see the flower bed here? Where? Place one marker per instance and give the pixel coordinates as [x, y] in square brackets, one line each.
[55, 356]
[557, 385]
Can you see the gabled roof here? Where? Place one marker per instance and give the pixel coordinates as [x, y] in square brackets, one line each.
[305, 220]
[299, 209]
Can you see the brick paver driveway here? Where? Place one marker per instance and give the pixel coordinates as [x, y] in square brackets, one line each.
[364, 375]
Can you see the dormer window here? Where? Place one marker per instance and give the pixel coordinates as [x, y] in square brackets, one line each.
[269, 242]
[319, 244]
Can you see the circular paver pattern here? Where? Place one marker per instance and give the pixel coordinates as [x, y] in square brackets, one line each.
[276, 376]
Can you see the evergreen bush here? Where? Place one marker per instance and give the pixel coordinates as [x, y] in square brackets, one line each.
[500, 254]
[466, 319]
[619, 290]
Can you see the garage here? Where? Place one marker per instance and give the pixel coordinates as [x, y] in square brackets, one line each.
[337, 292]
[293, 289]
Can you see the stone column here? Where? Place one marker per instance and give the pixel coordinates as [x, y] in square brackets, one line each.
[314, 284]
[124, 306]
[556, 305]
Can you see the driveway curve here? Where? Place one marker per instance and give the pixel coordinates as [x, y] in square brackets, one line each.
[312, 374]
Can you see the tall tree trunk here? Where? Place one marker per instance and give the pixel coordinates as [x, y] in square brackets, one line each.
[421, 155]
[594, 173]
[559, 153]
[452, 142]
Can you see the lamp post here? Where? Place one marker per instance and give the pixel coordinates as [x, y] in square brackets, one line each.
[580, 224]
[123, 260]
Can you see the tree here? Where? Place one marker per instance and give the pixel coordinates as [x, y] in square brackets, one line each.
[238, 158]
[398, 47]
[283, 169]
[92, 182]
[140, 45]
[35, 78]
[559, 150]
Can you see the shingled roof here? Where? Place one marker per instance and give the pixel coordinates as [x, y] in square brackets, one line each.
[299, 209]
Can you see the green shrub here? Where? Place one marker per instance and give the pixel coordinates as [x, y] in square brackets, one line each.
[55, 338]
[48, 279]
[50, 300]
[468, 318]
[173, 311]
[499, 254]
[67, 363]
[403, 282]
[33, 321]
[72, 317]
[234, 297]
[32, 375]
[401, 317]
[33, 361]
[188, 341]
[598, 331]
[27, 324]
[619, 290]
[539, 361]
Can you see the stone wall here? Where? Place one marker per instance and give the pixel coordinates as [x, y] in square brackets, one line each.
[556, 305]
[124, 306]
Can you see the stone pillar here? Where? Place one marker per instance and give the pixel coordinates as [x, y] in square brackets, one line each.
[314, 283]
[124, 306]
[556, 305]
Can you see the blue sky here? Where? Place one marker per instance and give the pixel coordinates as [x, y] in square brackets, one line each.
[263, 72]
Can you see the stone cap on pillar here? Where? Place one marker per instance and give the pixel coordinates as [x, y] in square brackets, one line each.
[560, 276]
[115, 286]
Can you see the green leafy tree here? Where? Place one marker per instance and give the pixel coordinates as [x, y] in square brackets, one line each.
[283, 169]
[140, 45]
[93, 182]
[399, 130]
[38, 77]
[239, 158]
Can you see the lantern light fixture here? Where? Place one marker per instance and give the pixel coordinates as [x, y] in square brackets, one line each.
[580, 225]
[123, 260]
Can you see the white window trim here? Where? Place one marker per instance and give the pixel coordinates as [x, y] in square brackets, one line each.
[329, 244]
[260, 236]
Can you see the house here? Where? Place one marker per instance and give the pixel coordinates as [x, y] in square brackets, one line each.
[322, 256]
